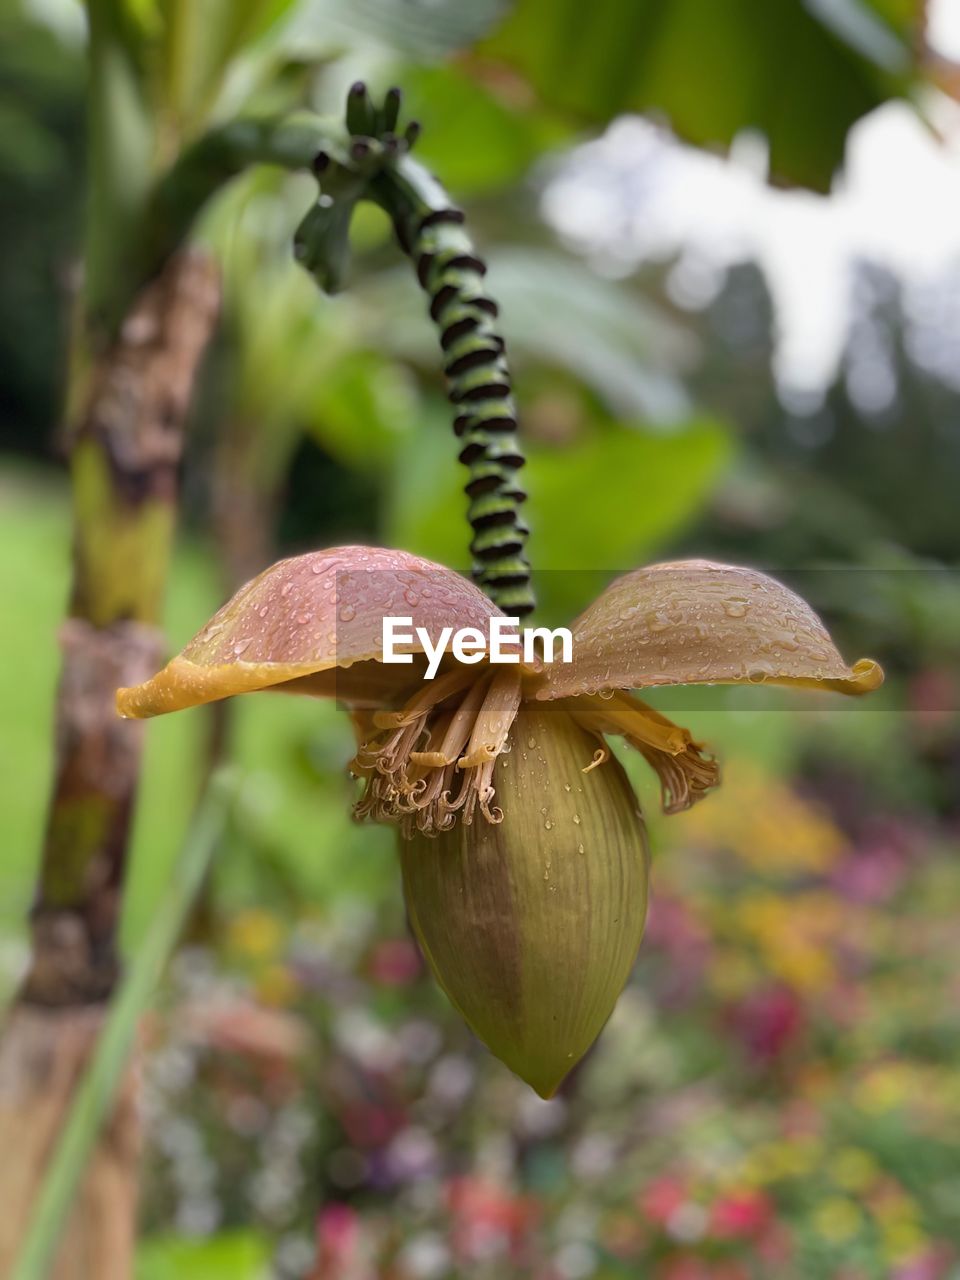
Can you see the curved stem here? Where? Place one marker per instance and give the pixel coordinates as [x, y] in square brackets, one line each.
[431, 231]
[224, 153]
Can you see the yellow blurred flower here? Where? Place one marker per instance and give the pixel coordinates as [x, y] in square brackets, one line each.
[276, 986]
[902, 1240]
[885, 1087]
[255, 933]
[790, 1158]
[732, 974]
[765, 824]
[794, 935]
[854, 1169]
[837, 1220]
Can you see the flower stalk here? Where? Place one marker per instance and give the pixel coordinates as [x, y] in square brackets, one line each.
[430, 228]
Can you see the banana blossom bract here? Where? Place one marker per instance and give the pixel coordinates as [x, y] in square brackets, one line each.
[523, 848]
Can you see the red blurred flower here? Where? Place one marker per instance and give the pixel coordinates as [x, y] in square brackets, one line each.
[740, 1215]
[395, 962]
[338, 1241]
[767, 1021]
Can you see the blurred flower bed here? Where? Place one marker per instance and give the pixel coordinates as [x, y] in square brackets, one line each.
[776, 1094]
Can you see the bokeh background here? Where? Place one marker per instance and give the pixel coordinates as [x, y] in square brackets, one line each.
[708, 362]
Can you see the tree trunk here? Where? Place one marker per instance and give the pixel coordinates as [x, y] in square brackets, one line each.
[125, 456]
[42, 1058]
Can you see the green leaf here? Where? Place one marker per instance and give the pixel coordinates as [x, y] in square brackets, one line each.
[240, 1255]
[423, 30]
[799, 71]
[556, 312]
[621, 345]
[476, 142]
[630, 490]
[201, 40]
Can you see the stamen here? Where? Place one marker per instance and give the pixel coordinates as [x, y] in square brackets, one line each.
[684, 779]
[428, 697]
[600, 756]
[685, 773]
[492, 725]
[435, 758]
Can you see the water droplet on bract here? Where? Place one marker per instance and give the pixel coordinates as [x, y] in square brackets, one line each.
[347, 613]
[756, 676]
[735, 608]
[548, 825]
[286, 588]
[317, 567]
[303, 619]
[531, 742]
[566, 786]
[580, 848]
[240, 646]
[263, 610]
[606, 694]
[411, 597]
[576, 818]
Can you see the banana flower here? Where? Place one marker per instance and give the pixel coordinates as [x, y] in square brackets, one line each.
[522, 845]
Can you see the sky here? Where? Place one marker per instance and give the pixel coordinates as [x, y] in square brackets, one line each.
[636, 194]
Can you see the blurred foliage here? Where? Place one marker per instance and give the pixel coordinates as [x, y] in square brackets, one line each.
[714, 70]
[228, 1256]
[41, 162]
[776, 1093]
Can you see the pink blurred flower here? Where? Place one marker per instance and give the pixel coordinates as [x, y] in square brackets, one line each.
[932, 697]
[661, 1199]
[740, 1215]
[767, 1021]
[338, 1241]
[872, 873]
[488, 1219]
[930, 1265]
[394, 962]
